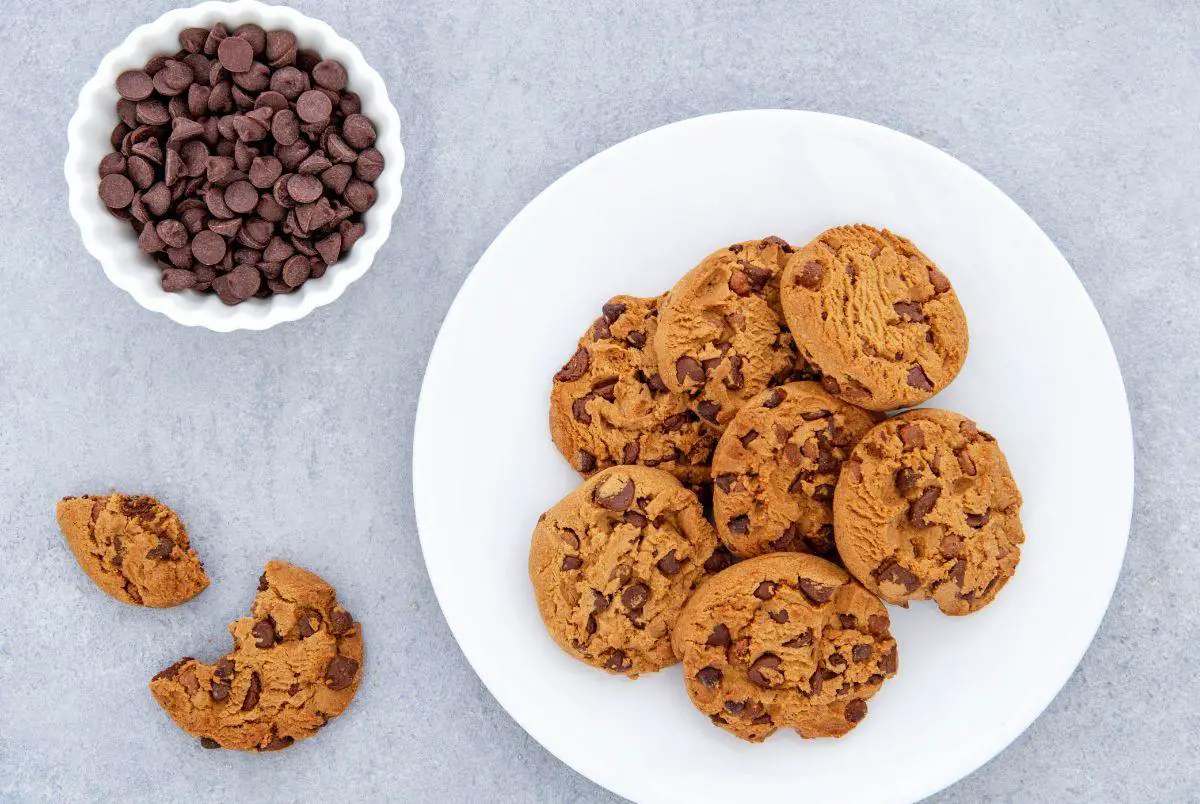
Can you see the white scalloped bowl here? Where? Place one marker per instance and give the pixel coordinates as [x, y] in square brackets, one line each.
[114, 243]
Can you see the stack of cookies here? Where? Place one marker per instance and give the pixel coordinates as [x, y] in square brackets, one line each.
[761, 382]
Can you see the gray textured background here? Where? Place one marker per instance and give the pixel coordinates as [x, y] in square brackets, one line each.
[296, 442]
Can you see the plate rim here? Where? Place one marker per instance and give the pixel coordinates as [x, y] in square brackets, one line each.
[1123, 439]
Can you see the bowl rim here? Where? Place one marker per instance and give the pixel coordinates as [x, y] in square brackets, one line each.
[189, 308]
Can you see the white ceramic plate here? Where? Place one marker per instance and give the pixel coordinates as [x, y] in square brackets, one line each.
[1041, 376]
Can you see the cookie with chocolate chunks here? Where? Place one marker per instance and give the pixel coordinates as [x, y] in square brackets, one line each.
[612, 564]
[721, 337]
[135, 548]
[784, 641]
[776, 467]
[296, 662]
[875, 316]
[609, 405]
[927, 508]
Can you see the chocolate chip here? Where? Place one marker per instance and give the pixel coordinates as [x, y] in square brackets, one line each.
[162, 550]
[617, 661]
[253, 691]
[358, 132]
[939, 281]
[341, 672]
[856, 710]
[911, 436]
[171, 672]
[579, 409]
[802, 641]
[637, 339]
[219, 691]
[571, 563]
[685, 368]
[575, 367]
[668, 564]
[264, 633]
[748, 438]
[909, 311]
[587, 461]
[780, 616]
[965, 464]
[890, 661]
[735, 707]
[635, 596]
[920, 508]
[116, 191]
[905, 480]
[830, 385]
[917, 378]
[817, 593]
[134, 85]
[810, 275]
[739, 524]
[262, 582]
[636, 519]
[725, 481]
[720, 559]
[739, 282]
[860, 653]
[340, 622]
[277, 743]
[708, 410]
[330, 75]
[762, 665]
[629, 453]
[877, 624]
[208, 247]
[892, 572]
[978, 520]
[617, 501]
[766, 590]
[209, 742]
[719, 638]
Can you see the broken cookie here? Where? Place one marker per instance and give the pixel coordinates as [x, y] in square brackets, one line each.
[133, 547]
[296, 662]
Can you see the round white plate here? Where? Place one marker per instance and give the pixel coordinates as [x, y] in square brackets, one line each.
[1041, 376]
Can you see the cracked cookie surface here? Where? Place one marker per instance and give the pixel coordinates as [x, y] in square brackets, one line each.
[296, 662]
[609, 405]
[785, 640]
[721, 336]
[875, 316]
[776, 466]
[133, 547]
[927, 508]
[613, 563]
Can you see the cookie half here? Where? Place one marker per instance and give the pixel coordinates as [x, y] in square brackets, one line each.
[927, 508]
[776, 467]
[133, 547]
[613, 563]
[875, 316]
[721, 337]
[785, 640]
[296, 662]
[609, 405]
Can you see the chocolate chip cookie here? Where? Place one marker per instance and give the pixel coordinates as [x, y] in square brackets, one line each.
[776, 467]
[721, 337]
[609, 404]
[785, 640]
[927, 508]
[133, 547]
[296, 662]
[875, 316]
[613, 562]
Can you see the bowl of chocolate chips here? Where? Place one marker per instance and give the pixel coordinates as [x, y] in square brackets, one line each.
[234, 165]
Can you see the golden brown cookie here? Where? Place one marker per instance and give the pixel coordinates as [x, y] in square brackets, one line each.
[612, 564]
[875, 316]
[133, 547]
[776, 467]
[296, 662]
[721, 337]
[785, 640]
[926, 508]
[609, 405]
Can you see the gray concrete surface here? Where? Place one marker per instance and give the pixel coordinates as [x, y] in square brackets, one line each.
[296, 442]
